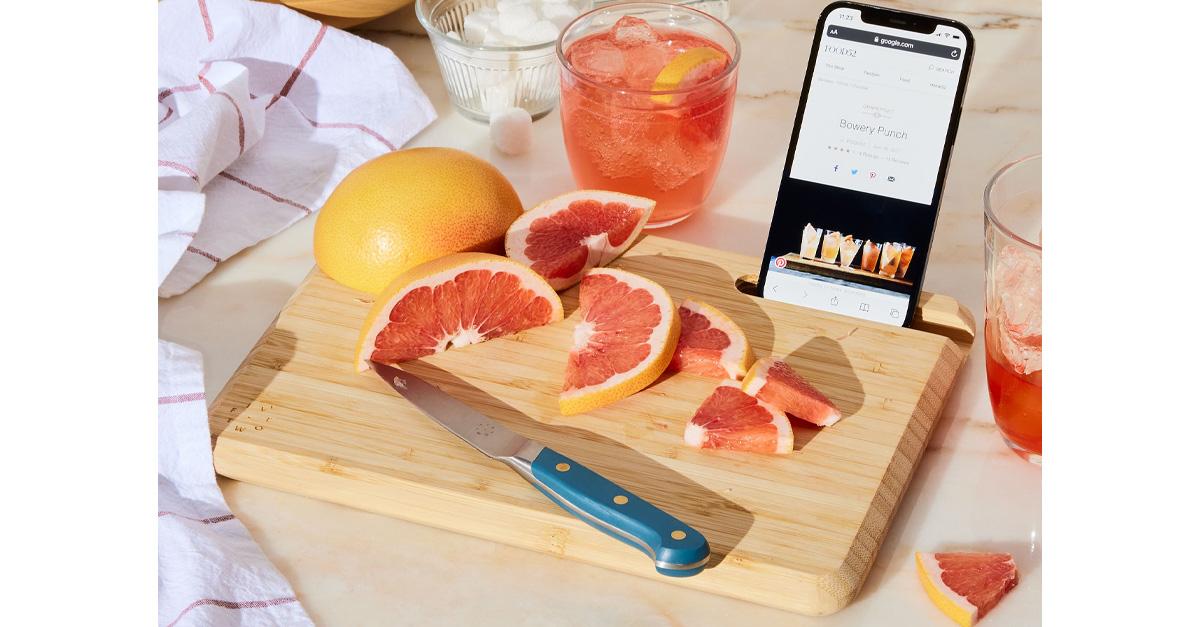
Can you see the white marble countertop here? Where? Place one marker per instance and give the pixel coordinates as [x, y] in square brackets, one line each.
[354, 568]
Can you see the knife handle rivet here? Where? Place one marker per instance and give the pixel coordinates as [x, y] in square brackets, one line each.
[562, 467]
[620, 499]
[678, 535]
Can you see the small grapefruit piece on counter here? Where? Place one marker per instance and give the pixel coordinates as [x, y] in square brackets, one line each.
[710, 344]
[732, 420]
[623, 341]
[776, 383]
[452, 301]
[565, 236]
[966, 586]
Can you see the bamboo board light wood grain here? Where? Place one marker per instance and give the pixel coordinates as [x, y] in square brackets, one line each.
[797, 532]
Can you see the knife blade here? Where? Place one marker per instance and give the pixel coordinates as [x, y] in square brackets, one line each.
[677, 549]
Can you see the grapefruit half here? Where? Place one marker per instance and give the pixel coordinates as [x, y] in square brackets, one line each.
[623, 341]
[776, 383]
[565, 236]
[452, 301]
[733, 420]
[710, 344]
[966, 586]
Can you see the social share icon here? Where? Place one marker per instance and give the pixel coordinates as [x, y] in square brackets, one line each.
[853, 171]
[872, 176]
[780, 262]
[891, 179]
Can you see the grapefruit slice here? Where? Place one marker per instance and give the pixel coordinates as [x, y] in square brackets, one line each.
[710, 344]
[565, 236]
[966, 586]
[732, 420]
[623, 341]
[453, 301]
[774, 382]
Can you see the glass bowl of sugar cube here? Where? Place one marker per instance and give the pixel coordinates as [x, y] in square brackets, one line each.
[498, 54]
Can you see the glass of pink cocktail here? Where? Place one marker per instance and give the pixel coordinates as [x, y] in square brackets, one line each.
[1012, 328]
[647, 101]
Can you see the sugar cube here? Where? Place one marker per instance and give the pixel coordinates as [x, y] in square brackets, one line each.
[540, 32]
[506, 5]
[511, 130]
[515, 20]
[559, 13]
[477, 23]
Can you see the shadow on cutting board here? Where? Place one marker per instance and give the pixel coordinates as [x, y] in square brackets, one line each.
[722, 521]
[847, 396]
[272, 352]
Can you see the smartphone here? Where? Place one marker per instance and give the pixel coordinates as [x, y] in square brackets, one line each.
[863, 179]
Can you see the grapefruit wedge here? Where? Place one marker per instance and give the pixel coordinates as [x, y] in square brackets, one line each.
[567, 235]
[776, 383]
[966, 586]
[710, 344]
[732, 420]
[453, 301]
[623, 341]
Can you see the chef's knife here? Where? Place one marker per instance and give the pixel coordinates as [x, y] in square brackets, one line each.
[677, 549]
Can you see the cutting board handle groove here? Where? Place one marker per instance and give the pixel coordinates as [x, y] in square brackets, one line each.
[937, 314]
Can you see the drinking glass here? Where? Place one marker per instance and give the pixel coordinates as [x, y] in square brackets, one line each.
[809, 241]
[830, 246]
[849, 250]
[1012, 204]
[620, 134]
[870, 256]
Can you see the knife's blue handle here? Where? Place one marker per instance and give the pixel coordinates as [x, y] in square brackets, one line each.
[677, 549]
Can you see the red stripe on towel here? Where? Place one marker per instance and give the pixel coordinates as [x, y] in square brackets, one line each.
[162, 95]
[241, 122]
[208, 521]
[275, 197]
[287, 85]
[208, 29]
[205, 254]
[181, 398]
[182, 168]
[232, 605]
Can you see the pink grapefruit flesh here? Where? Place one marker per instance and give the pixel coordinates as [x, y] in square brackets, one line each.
[710, 344]
[565, 236]
[623, 341]
[775, 382]
[453, 301]
[966, 586]
[730, 419]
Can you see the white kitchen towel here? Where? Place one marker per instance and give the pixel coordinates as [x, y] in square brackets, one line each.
[262, 111]
[210, 571]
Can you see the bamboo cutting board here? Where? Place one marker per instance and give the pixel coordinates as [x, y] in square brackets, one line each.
[797, 532]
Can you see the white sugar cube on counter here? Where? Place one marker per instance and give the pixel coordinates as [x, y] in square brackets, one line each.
[511, 131]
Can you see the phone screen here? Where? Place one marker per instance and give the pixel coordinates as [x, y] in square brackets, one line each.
[858, 201]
